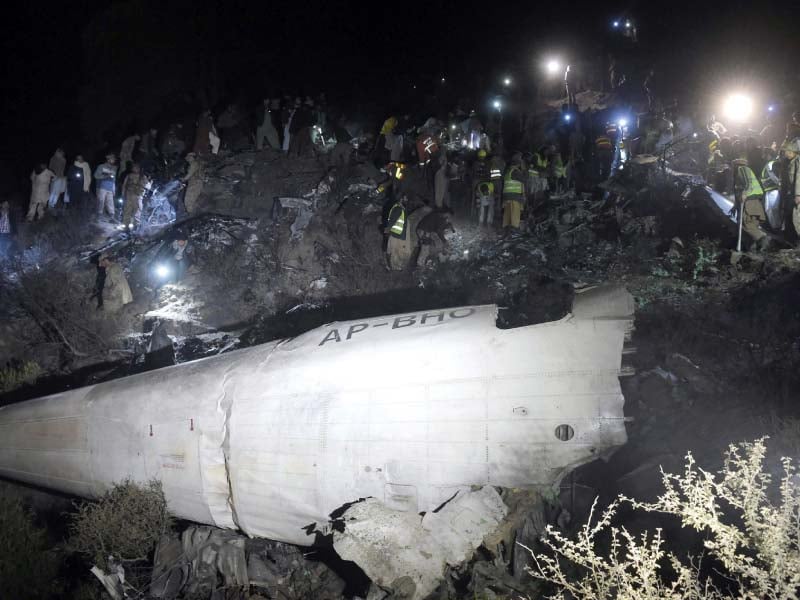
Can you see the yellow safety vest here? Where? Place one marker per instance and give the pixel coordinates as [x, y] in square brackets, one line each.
[512, 189]
[752, 184]
[399, 225]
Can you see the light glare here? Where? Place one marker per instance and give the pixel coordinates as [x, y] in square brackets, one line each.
[738, 107]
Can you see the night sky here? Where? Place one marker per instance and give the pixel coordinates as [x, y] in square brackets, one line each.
[85, 74]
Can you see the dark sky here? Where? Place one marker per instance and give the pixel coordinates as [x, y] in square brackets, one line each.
[60, 59]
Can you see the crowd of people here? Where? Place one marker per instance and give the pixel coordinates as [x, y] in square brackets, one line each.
[512, 171]
[495, 168]
[115, 190]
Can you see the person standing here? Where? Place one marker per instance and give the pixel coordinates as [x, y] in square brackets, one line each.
[441, 183]
[136, 183]
[194, 182]
[79, 179]
[57, 164]
[790, 186]
[126, 151]
[513, 193]
[106, 176]
[485, 203]
[749, 199]
[266, 128]
[41, 178]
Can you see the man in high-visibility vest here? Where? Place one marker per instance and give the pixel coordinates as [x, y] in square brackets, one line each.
[397, 232]
[604, 156]
[749, 196]
[496, 168]
[513, 193]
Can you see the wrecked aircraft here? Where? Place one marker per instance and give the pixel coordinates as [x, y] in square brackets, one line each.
[407, 409]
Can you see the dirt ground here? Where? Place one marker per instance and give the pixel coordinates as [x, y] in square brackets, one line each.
[717, 335]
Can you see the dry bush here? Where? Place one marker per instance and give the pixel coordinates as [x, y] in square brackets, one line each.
[126, 523]
[16, 375]
[755, 541]
[58, 299]
[28, 568]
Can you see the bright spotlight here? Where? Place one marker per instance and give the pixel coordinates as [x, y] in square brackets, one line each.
[627, 24]
[568, 118]
[162, 271]
[553, 67]
[442, 79]
[738, 107]
[771, 108]
[496, 104]
[507, 81]
[622, 122]
[616, 23]
[694, 135]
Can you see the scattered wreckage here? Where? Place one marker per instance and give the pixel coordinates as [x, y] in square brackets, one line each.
[410, 411]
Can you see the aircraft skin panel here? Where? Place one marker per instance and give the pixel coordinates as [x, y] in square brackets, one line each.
[406, 408]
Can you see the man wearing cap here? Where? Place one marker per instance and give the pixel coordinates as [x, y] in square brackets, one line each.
[106, 175]
[749, 198]
[790, 185]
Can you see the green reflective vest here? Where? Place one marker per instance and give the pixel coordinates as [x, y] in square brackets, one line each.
[398, 228]
[513, 189]
[750, 185]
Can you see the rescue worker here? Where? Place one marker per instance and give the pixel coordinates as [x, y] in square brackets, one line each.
[106, 175]
[484, 199]
[479, 174]
[604, 156]
[126, 151]
[771, 183]
[116, 292]
[441, 183]
[194, 182]
[136, 183]
[513, 193]
[79, 180]
[266, 129]
[176, 256]
[41, 178]
[381, 152]
[790, 186]
[397, 232]
[496, 168]
[749, 197]
[58, 162]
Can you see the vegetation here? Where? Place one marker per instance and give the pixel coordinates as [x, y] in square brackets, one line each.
[750, 528]
[125, 523]
[16, 375]
[28, 568]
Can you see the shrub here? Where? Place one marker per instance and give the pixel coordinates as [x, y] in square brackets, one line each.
[28, 568]
[126, 523]
[16, 375]
[755, 541]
